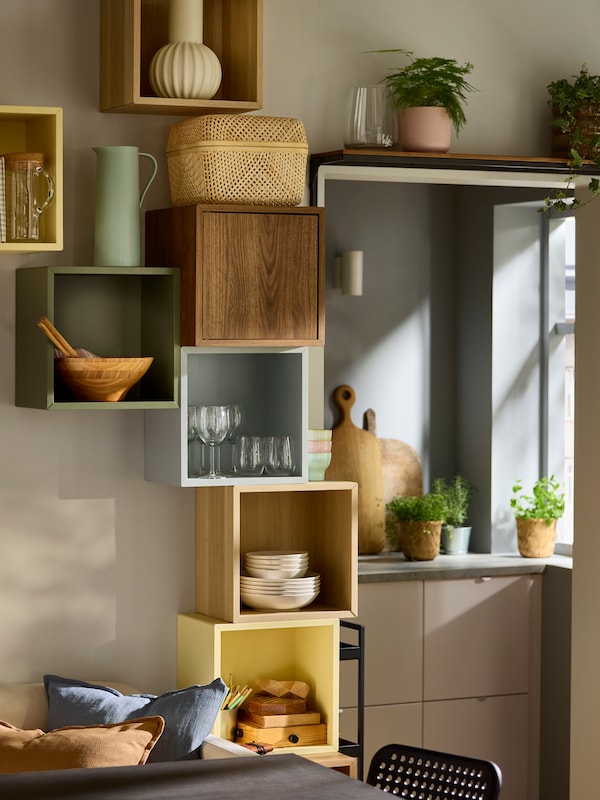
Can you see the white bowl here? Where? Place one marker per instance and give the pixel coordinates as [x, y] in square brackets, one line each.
[277, 602]
[276, 574]
[300, 585]
[277, 562]
[277, 553]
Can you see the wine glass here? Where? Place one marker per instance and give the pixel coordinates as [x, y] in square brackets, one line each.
[213, 424]
[194, 468]
[237, 424]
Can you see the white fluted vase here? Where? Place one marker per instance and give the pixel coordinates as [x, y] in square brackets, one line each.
[185, 67]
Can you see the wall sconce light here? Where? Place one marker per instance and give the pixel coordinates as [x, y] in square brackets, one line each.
[348, 272]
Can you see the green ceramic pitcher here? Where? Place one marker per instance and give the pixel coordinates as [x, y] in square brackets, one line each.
[118, 203]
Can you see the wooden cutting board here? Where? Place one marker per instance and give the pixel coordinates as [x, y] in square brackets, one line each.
[402, 471]
[356, 456]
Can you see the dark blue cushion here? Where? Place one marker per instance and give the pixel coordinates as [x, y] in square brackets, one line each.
[189, 714]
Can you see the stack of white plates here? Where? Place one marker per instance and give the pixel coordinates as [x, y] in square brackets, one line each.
[278, 580]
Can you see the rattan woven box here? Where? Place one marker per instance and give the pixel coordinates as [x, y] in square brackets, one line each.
[237, 158]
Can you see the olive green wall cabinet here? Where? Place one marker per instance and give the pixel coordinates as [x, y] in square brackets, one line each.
[111, 311]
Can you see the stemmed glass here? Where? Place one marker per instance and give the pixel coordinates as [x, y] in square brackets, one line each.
[194, 468]
[213, 425]
[237, 424]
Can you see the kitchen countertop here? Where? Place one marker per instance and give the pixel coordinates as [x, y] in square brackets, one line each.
[388, 566]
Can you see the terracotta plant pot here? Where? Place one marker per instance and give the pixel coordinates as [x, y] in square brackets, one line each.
[536, 537]
[588, 122]
[425, 129]
[420, 541]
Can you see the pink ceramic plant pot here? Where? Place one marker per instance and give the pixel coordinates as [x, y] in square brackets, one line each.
[425, 129]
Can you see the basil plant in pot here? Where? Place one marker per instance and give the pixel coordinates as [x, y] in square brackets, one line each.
[575, 106]
[431, 93]
[456, 534]
[419, 528]
[536, 515]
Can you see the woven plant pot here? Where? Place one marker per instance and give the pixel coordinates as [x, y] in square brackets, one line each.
[535, 538]
[420, 541]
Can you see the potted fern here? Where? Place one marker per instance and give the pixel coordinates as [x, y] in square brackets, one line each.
[420, 519]
[431, 93]
[536, 515]
[456, 533]
[575, 106]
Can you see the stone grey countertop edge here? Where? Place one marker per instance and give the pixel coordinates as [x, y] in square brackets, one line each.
[394, 567]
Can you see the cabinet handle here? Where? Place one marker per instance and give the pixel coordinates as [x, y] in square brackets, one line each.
[293, 738]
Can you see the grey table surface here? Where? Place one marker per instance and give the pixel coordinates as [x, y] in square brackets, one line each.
[389, 566]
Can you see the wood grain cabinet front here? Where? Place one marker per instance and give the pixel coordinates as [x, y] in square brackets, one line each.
[250, 275]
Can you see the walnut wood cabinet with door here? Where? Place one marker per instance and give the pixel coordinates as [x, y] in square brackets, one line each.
[453, 665]
[249, 274]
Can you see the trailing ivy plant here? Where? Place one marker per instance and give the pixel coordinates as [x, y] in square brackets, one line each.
[546, 501]
[431, 82]
[566, 98]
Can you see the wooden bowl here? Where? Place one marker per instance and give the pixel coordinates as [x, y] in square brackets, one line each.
[101, 379]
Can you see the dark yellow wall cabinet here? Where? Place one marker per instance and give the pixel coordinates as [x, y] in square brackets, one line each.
[249, 274]
[37, 129]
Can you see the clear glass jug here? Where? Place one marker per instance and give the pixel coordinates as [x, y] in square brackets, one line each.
[29, 191]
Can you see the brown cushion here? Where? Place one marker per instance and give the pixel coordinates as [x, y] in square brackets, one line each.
[115, 745]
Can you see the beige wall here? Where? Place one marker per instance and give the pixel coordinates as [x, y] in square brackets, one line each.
[94, 562]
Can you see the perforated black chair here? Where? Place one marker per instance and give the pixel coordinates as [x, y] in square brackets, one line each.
[428, 775]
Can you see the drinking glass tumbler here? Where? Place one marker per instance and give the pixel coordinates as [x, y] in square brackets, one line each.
[369, 117]
[279, 455]
[29, 192]
[249, 456]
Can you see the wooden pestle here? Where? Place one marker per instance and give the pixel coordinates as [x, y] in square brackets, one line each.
[57, 339]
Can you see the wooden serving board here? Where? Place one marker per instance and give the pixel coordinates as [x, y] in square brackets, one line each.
[402, 471]
[266, 706]
[279, 720]
[289, 736]
[356, 456]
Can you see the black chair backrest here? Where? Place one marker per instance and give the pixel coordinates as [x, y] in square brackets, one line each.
[416, 773]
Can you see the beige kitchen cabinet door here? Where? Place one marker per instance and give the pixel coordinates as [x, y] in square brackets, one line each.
[384, 725]
[495, 728]
[480, 636]
[392, 614]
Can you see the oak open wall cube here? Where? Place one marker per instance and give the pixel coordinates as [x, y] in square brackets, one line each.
[318, 517]
[132, 31]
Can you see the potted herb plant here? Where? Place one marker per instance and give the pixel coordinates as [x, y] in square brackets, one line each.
[455, 533]
[536, 515]
[575, 106]
[420, 520]
[431, 93]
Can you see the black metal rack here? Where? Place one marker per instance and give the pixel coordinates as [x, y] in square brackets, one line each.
[355, 652]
